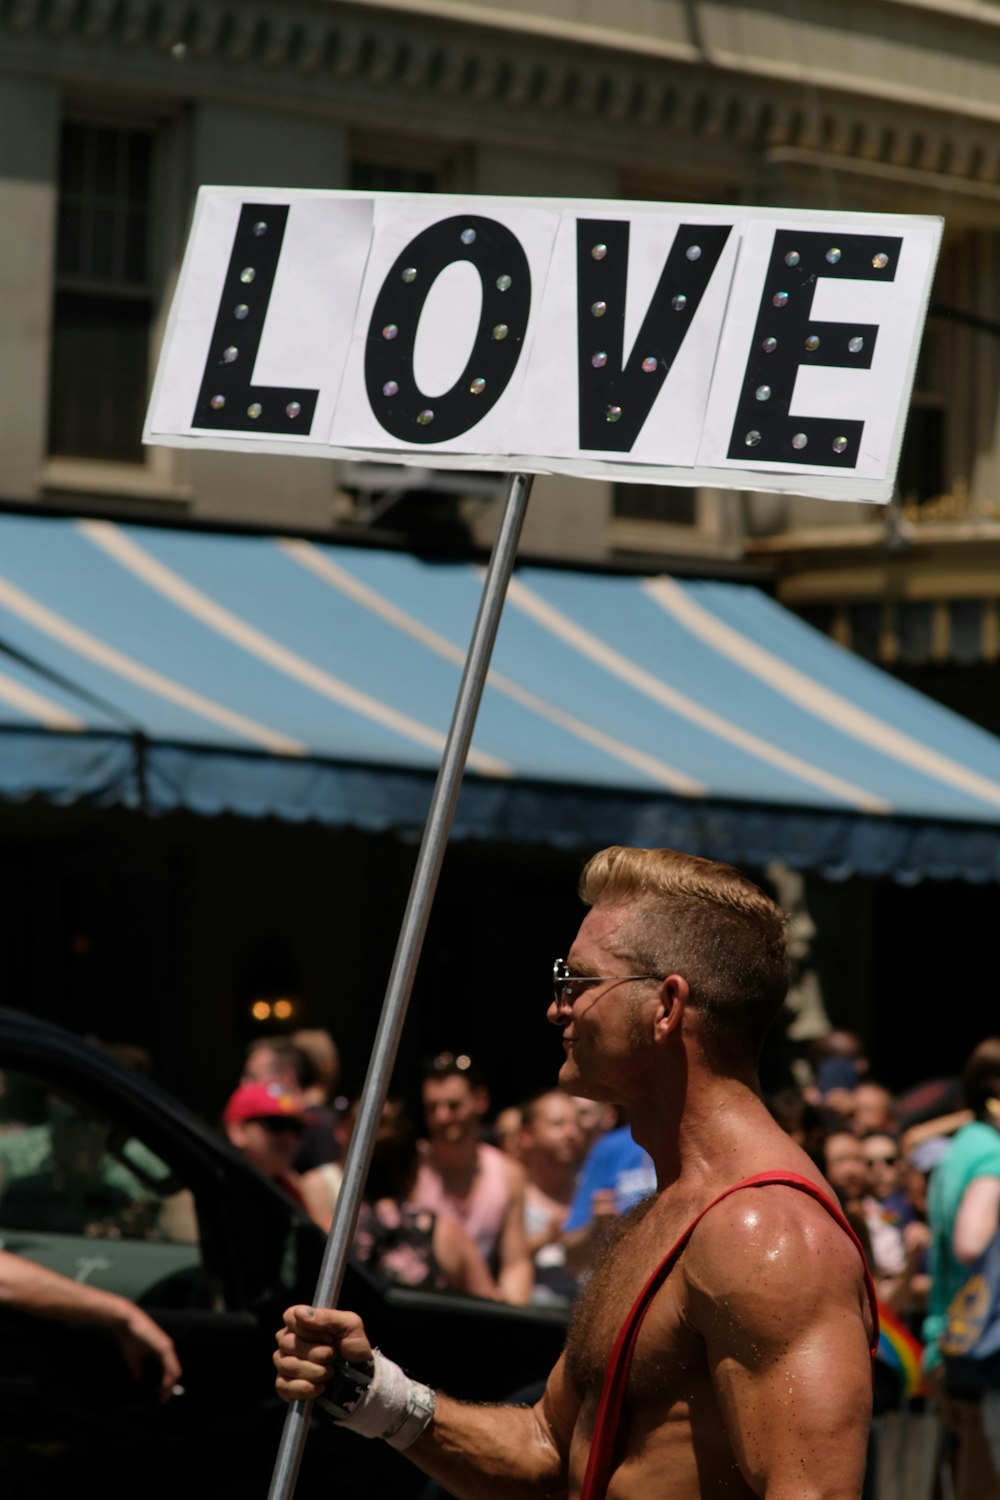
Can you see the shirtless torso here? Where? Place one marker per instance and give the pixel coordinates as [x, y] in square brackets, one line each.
[751, 1375]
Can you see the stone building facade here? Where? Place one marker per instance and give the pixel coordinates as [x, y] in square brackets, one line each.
[112, 112]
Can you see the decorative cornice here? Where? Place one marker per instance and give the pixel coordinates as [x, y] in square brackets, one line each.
[417, 71]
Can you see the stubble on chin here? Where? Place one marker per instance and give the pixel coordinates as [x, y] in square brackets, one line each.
[568, 1076]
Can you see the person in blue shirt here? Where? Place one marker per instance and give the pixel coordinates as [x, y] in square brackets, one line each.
[616, 1175]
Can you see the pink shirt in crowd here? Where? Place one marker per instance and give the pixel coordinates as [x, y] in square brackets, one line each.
[481, 1213]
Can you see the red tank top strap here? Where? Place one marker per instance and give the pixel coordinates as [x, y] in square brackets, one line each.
[606, 1422]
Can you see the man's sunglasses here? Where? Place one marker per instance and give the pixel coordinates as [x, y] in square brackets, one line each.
[568, 987]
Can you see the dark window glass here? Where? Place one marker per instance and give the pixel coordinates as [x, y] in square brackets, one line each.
[71, 171]
[102, 260]
[133, 234]
[104, 194]
[921, 461]
[866, 630]
[70, 240]
[137, 161]
[107, 150]
[103, 302]
[378, 177]
[966, 631]
[673, 503]
[100, 351]
[819, 616]
[915, 624]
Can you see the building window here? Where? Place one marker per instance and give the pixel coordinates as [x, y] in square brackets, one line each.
[381, 177]
[394, 163]
[921, 476]
[672, 504]
[921, 460]
[103, 294]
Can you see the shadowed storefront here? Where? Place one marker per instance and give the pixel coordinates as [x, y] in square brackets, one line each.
[218, 750]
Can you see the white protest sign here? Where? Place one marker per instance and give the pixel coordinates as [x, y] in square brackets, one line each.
[659, 343]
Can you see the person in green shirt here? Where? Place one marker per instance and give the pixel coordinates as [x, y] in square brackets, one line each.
[963, 1207]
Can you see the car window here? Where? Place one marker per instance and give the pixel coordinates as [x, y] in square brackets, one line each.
[81, 1195]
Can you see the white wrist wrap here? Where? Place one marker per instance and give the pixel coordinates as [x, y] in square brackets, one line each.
[394, 1407]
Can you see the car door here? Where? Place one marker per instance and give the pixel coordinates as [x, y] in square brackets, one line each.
[108, 1179]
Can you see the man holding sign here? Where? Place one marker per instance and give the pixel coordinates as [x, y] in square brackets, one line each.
[722, 1345]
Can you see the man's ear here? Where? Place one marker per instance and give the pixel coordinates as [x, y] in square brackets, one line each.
[480, 1099]
[674, 995]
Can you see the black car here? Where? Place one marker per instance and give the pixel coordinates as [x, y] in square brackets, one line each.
[107, 1178]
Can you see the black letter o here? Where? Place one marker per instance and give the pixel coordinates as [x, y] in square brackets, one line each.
[396, 401]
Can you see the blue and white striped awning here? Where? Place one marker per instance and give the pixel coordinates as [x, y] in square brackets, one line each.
[167, 668]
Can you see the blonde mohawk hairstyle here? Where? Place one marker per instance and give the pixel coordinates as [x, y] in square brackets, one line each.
[706, 921]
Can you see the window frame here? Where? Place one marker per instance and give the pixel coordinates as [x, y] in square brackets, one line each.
[156, 474]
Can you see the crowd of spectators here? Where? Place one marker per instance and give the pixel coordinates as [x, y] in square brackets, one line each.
[917, 1173]
[515, 1203]
[538, 1185]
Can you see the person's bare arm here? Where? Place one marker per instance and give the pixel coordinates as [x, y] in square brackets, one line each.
[517, 1272]
[461, 1260]
[585, 1244]
[777, 1293]
[320, 1190]
[977, 1220]
[35, 1289]
[508, 1452]
[929, 1130]
[550, 1235]
[908, 1288]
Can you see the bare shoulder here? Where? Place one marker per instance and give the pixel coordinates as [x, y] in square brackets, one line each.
[515, 1175]
[767, 1226]
[774, 1290]
[774, 1260]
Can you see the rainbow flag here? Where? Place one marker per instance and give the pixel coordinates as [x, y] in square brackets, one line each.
[901, 1351]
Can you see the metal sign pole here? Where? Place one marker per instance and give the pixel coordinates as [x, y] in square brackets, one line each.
[411, 936]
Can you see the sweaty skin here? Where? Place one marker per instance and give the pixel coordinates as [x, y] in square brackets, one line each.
[752, 1372]
[729, 1394]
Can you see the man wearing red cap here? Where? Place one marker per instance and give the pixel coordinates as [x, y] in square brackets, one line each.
[266, 1121]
